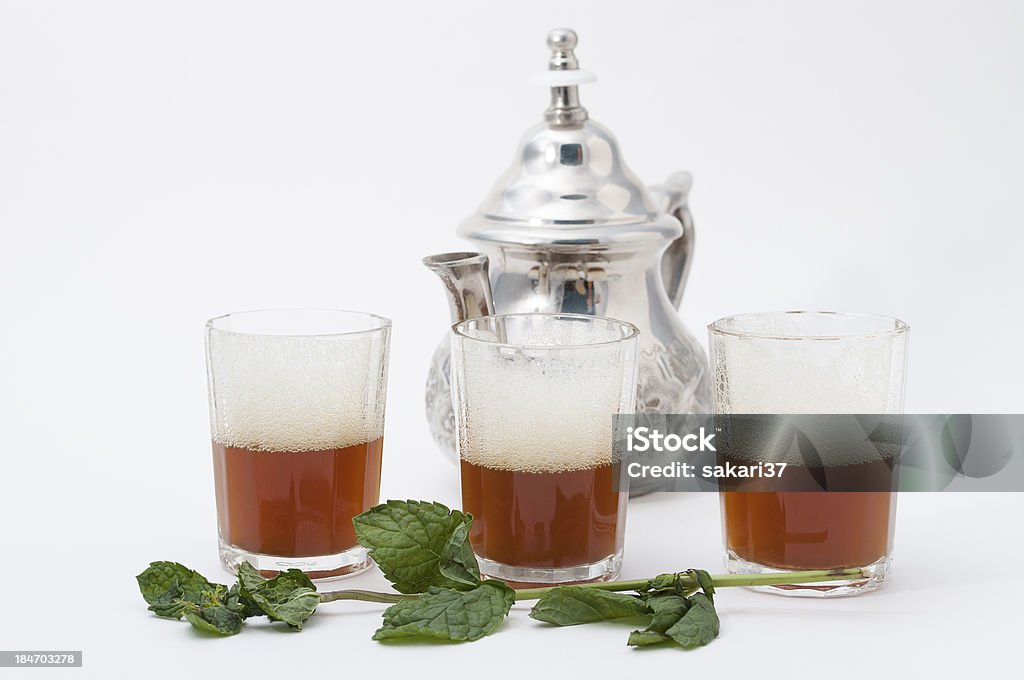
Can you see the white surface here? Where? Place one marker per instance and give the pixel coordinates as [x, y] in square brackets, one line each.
[161, 163]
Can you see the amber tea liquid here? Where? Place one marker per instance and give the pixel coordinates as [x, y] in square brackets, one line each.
[295, 503]
[543, 519]
[791, 529]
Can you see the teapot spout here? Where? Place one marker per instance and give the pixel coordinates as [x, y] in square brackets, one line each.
[467, 280]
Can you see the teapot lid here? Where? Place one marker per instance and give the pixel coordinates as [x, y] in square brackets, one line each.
[568, 184]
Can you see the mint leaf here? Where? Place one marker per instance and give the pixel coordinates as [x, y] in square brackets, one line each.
[418, 545]
[161, 578]
[673, 584]
[242, 604]
[171, 604]
[572, 605]
[448, 615]
[647, 638]
[667, 610]
[290, 596]
[458, 562]
[703, 579]
[175, 591]
[249, 578]
[661, 583]
[689, 622]
[699, 625]
[217, 619]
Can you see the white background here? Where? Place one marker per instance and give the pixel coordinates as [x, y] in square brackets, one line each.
[161, 163]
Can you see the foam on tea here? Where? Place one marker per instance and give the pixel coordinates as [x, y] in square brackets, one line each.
[266, 400]
[555, 429]
[841, 375]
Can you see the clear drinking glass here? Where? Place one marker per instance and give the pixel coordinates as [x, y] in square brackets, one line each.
[297, 423]
[535, 396]
[810, 363]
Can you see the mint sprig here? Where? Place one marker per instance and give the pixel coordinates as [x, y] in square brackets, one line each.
[424, 550]
[676, 612]
[214, 608]
[168, 587]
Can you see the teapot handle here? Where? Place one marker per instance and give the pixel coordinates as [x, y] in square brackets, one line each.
[675, 262]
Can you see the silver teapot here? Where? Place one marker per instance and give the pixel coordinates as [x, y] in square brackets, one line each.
[570, 228]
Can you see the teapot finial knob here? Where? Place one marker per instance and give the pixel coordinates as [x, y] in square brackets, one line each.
[563, 77]
[562, 42]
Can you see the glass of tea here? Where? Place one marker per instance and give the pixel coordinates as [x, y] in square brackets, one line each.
[811, 363]
[535, 398]
[297, 422]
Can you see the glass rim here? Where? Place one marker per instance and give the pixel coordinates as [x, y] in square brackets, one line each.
[375, 322]
[897, 327]
[632, 331]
